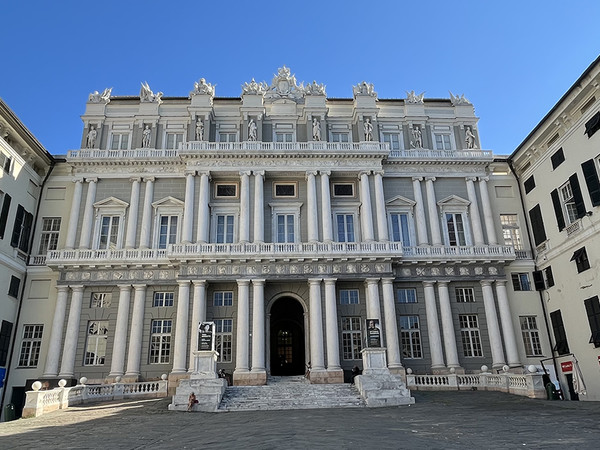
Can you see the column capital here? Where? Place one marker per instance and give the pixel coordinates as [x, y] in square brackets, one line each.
[245, 173]
[77, 180]
[204, 172]
[199, 282]
[486, 282]
[77, 288]
[428, 284]
[310, 172]
[417, 179]
[363, 172]
[123, 287]
[315, 281]
[484, 179]
[379, 172]
[387, 280]
[443, 282]
[62, 288]
[243, 282]
[500, 282]
[259, 173]
[134, 179]
[149, 179]
[258, 281]
[325, 172]
[330, 281]
[471, 178]
[92, 180]
[372, 280]
[139, 287]
[432, 179]
[183, 282]
[189, 172]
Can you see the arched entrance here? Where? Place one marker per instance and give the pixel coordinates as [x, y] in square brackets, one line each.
[287, 337]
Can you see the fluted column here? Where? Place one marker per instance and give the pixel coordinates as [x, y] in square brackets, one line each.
[188, 208]
[474, 212]
[132, 214]
[203, 209]
[147, 213]
[326, 207]
[373, 306]
[488, 215]
[259, 206]
[447, 325]
[492, 323]
[391, 324]
[508, 330]
[72, 333]
[74, 215]
[118, 353]
[243, 327]
[420, 212]
[366, 214]
[433, 327]
[434, 220]
[135, 333]
[198, 316]
[181, 328]
[382, 228]
[245, 207]
[88, 214]
[258, 325]
[331, 326]
[312, 216]
[317, 357]
[58, 322]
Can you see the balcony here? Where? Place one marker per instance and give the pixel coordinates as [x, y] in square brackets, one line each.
[423, 154]
[77, 257]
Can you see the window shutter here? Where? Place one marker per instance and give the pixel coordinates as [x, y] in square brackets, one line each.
[5, 331]
[592, 181]
[538, 280]
[579, 204]
[549, 276]
[516, 281]
[537, 225]
[529, 184]
[557, 158]
[24, 241]
[4, 214]
[560, 220]
[14, 242]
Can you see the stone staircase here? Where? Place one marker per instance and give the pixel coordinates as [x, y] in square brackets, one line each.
[290, 393]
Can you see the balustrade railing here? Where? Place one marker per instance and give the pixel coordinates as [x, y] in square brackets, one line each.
[424, 153]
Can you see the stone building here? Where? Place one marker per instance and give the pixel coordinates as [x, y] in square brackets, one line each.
[288, 219]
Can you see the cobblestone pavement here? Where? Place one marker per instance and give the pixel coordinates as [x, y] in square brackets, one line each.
[439, 420]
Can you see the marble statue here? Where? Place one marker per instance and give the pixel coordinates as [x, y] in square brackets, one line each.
[413, 98]
[364, 88]
[315, 89]
[96, 97]
[199, 129]
[316, 129]
[417, 141]
[368, 126]
[469, 138]
[91, 137]
[147, 96]
[458, 99]
[252, 130]
[146, 137]
[254, 88]
[202, 87]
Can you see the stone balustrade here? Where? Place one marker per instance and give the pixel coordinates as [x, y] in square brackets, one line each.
[429, 154]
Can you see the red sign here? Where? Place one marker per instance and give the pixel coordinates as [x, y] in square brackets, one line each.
[567, 366]
[598, 359]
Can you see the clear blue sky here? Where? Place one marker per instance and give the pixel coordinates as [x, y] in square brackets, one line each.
[512, 60]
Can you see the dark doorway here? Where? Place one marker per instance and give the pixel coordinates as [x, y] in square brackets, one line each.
[287, 338]
[572, 394]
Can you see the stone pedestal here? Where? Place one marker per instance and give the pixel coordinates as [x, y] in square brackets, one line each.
[326, 376]
[205, 365]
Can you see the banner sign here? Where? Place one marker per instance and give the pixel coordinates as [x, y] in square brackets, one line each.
[206, 336]
[567, 367]
[373, 333]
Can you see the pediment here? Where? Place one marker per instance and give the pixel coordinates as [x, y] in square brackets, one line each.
[111, 202]
[454, 200]
[168, 202]
[399, 200]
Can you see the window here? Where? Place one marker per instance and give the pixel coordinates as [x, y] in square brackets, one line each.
[511, 231]
[285, 228]
[349, 297]
[469, 332]
[160, 341]
[49, 237]
[456, 229]
[5, 162]
[548, 276]
[393, 139]
[557, 158]
[21, 229]
[590, 174]
[4, 214]
[531, 336]
[226, 190]
[224, 229]
[109, 232]
[592, 307]
[521, 282]
[109, 220]
[345, 227]
[464, 295]
[162, 299]
[13, 287]
[100, 300]
[95, 347]
[407, 295]
[119, 141]
[227, 137]
[410, 337]
[167, 231]
[284, 189]
[442, 141]
[537, 225]
[569, 209]
[343, 189]
[568, 202]
[223, 298]
[400, 228]
[5, 332]
[339, 137]
[30, 347]
[561, 345]
[351, 338]
[223, 339]
[529, 184]
[581, 259]
[284, 137]
[172, 140]
[592, 125]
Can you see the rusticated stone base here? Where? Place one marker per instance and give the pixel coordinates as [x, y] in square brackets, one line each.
[250, 378]
[326, 376]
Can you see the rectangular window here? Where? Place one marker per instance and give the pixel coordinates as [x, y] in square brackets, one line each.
[442, 141]
[223, 339]
[49, 236]
[345, 227]
[119, 141]
[160, 341]
[284, 137]
[400, 229]
[285, 228]
[162, 299]
[21, 229]
[227, 137]
[339, 137]
[4, 214]
[30, 347]
[537, 225]
[225, 229]
[5, 162]
[581, 259]
[521, 282]
[456, 229]
[351, 338]
[393, 139]
[407, 295]
[590, 174]
[95, 347]
[511, 231]
[109, 232]
[223, 298]
[13, 287]
[592, 307]
[561, 345]
[343, 189]
[531, 336]
[410, 337]
[529, 184]
[5, 333]
[173, 140]
[557, 158]
[284, 189]
[465, 295]
[548, 276]
[348, 296]
[469, 332]
[168, 231]
[100, 300]
[225, 190]
[592, 125]
[568, 202]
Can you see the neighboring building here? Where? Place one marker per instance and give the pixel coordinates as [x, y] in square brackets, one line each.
[558, 170]
[288, 219]
[24, 163]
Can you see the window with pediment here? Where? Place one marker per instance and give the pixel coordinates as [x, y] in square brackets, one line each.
[455, 221]
[401, 220]
[168, 216]
[109, 223]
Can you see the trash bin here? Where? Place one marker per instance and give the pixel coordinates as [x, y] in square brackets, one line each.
[9, 412]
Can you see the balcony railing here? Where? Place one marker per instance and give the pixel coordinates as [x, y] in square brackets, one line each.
[138, 153]
[423, 153]
[316, 146]
[110, 256]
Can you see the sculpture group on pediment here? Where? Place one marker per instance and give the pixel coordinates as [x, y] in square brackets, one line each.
[315, 89]
[364, 88]
[199, 129]
[104, 97]
[413, 98]
[458, 99]
[201, 87]
[417, 136]
[368, 126]
[254, 88]
[91, 137]
[147, 96]
[469, 138]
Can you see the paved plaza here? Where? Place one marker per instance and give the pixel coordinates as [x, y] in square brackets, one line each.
[439, 420]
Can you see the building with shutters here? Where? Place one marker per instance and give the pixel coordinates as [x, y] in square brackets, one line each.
[558, 168]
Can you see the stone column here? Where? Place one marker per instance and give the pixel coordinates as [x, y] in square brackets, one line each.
[245, 207]
[203, 208]
[188, 207]
[147, 213]
[488, 215]
[434, 220]
[198, 315]
[382, 228]
[373, 307]
[259, 206]
[243, 328]
[366, 214]
[512, 353]
[391, 324]
[58, 322]
[120, 341]
[72, 333]
[326, 207]
[420, 212]
[492, 323]
[331, 323]
[311, 213]
[433, 327]
[88, 214]
[132, 215]
[180, 350]
[136, 331]
[317, 358]
[474, 212]
[74, 216]
[258, 328]
[448, 326]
